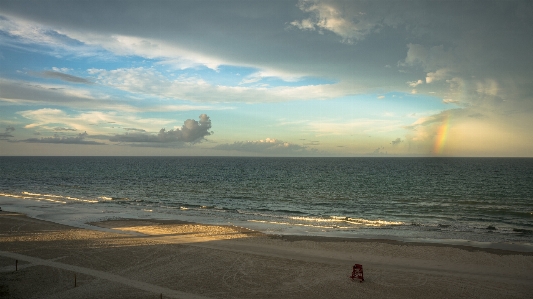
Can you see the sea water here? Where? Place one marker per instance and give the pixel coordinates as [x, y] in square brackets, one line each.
[475, 200]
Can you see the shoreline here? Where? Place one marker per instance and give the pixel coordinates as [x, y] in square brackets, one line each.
[144, 258]
[313, 238]
[95, 215]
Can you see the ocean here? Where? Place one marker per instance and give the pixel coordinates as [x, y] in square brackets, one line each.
[474, 201]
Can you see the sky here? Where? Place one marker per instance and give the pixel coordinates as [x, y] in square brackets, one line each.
[266, 78]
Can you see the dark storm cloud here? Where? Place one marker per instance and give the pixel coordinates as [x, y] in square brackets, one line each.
[292, 36]
[192, 131]
[469, 54]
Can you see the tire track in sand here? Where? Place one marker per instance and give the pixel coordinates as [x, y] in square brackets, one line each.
[104, 275]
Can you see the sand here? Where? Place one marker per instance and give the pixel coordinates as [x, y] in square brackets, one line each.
[172, 259]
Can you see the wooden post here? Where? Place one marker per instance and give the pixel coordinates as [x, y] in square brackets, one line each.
[16, 265]
[161, 296]
[74, 280]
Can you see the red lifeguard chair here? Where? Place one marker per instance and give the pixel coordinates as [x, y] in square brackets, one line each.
[357, 272]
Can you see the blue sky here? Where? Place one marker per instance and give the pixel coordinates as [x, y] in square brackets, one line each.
[266, 78]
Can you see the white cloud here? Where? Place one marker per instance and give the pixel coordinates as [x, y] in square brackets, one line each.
[192, 131]
[438, 75]
[62, 70]
[351, 25]
[22, 33]
[480, 61]
[264, 146]
[305, 24]
[415, 83]
[170, 54]
[260, 75]
[450, 101]
[94, 122]
[66, 41]
[148, 81]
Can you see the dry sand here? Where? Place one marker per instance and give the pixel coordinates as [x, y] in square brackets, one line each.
[147, 258]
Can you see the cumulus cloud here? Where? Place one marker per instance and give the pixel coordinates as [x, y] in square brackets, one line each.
[415, 83]
[351, 25]
[192, 131]
[476, 59]
[396, 141]
[263, 146]
[439, 74]
[79, 139]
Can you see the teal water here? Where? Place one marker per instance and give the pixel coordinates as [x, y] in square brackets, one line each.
[479, 199]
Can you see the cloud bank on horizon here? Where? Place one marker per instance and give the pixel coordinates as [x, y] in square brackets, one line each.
[277, 78]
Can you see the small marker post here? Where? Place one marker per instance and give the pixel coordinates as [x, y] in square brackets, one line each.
[75, 280]
[16, 265]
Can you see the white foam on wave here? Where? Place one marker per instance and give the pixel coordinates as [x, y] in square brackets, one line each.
[299, 224]
[28, 193]
[75, 215]
[49, 197]
[354, 221]
[79, 215]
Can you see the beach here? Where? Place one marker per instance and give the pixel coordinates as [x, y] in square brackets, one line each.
[148, 258]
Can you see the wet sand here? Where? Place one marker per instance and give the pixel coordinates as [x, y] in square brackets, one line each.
[173, 259]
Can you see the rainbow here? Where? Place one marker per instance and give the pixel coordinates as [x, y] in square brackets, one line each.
[442, 134]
